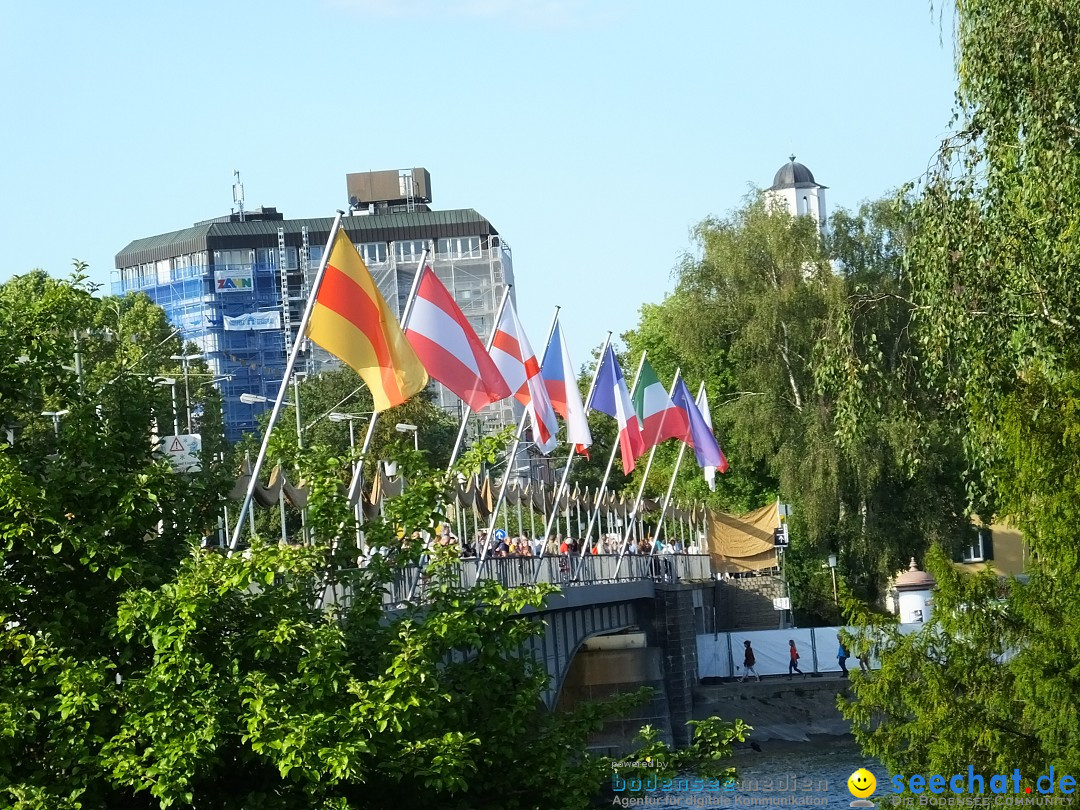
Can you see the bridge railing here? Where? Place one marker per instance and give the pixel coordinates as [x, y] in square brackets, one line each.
[562, 570]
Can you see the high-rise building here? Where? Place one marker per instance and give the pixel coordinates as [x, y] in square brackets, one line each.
[236, 286]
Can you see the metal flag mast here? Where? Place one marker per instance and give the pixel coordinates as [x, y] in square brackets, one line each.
[570, 458]
[509, 466]
[595, 512]
[641, 490]
[358, 477]
[466, 413]
[671, 484]
[286, 376]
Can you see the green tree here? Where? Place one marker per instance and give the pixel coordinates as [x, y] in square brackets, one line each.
[994, 263]
[804, 340]
[87, 513]
[140, 669]
[343, 391]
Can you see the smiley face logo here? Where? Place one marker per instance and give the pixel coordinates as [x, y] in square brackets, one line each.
[861, 783]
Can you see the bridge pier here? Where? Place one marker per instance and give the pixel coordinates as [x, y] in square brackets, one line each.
[672, 628]
[652, 641]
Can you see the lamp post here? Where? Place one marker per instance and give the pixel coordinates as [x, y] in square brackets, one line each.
[832, 568]
[255, 399]
[402, 427]
[56, 416]
[351, 418]
[184, 358]
[334, 416]
[171, 382]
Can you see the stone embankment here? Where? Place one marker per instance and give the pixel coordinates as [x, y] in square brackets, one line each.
[798, 710]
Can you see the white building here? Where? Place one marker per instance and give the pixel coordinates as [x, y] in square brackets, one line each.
[795, 190]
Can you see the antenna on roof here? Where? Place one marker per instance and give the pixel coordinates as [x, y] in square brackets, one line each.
[238, 194]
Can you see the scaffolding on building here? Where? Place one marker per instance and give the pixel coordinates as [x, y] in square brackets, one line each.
[201, 291]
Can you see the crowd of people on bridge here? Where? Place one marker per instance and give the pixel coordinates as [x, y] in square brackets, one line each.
[501, 544]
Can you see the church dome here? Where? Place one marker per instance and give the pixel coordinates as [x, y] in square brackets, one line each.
[794, 175]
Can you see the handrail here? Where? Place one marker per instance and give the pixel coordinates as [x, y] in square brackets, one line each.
[566, 571]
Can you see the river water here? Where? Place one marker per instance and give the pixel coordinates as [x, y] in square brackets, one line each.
[780, 777]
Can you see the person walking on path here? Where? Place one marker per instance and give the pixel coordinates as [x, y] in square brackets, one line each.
[842, 657]
[793, 660]
[748, 662]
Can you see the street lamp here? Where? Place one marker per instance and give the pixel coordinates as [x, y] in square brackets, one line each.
[171, 382]
[184, 358]
[832, 568]
[255, 399]
[350, 418]
[402, 427]
[56, 415]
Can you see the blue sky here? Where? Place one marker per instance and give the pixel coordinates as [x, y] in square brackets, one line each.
[592, 133]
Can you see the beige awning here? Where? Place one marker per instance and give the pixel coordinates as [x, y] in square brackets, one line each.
[745, 542]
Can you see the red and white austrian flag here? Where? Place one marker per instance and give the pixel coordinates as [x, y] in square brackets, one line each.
[449, 348]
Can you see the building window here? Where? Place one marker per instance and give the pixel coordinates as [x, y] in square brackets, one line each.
[373, 252]
[266, 259]
[224, 259]
[147, 274]
[185, 267]
[981, 548]
[410, 250]
[461, 247]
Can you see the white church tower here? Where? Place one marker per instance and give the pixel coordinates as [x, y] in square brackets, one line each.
[795, 190]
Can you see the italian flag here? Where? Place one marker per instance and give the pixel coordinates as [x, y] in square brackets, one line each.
[660, 419]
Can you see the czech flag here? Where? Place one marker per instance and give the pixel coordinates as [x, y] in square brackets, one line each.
[561, 383]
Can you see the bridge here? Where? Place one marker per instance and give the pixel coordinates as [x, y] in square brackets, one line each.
[660, 597]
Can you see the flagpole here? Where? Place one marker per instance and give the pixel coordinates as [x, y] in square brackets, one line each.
[667, 497]
[510, 462]
[641, 490]
[595, 513]
[467, 411]
[671, 484]
[290, 366]
[502, 489]
[573, 454]
[354, 488]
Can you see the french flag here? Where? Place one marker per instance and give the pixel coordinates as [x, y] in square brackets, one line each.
[561, 383]
[449, 348]
[611, 397]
